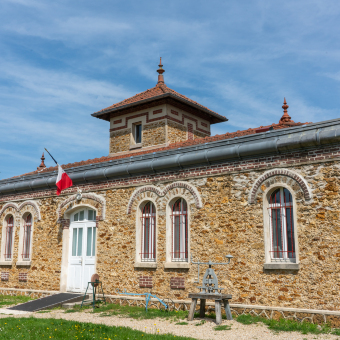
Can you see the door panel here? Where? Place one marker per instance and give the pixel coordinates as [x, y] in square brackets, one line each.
[81, 255]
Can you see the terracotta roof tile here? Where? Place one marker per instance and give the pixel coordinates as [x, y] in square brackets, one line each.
[228, 135]
[158, 90]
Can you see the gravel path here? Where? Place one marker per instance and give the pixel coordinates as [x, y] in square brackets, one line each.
[206, 331]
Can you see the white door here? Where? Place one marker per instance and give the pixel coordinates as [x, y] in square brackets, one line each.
[81, 264]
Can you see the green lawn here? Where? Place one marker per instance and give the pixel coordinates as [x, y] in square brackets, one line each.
[289, 325]
[7, 300]
[133, 312]
[32, 328]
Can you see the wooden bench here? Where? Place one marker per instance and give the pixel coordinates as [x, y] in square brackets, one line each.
[219, 299]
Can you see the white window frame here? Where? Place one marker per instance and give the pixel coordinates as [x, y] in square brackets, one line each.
[152, 233]
[278, 263]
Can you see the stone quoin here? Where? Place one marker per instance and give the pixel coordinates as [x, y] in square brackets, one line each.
[168, 191]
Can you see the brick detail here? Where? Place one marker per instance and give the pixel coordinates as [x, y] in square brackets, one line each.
[190, 131]
[65, 223]
[157, 111]
[276, 172]
[118, 121]
[204, 124]
[23, 277]
[4, 276]
[177, 283]
[174, 112]
[150, 120]
[145, 282]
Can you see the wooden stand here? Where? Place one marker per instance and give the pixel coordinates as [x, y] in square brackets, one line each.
[219, 298]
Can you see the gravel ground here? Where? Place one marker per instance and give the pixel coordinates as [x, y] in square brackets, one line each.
[206, 331]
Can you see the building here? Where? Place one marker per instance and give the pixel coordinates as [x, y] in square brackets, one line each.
[168, 192]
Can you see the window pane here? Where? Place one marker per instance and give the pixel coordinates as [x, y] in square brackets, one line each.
[290, 233]
[81, 216]
[94, 242]
[74, 242]
[94, 215]
[177, 239]
[90, 217]
[287, 196]
[146, 237]
[80, 242]
[275, 197]
[277, 233]
[138, 133]
[76, 217]
[89, 242]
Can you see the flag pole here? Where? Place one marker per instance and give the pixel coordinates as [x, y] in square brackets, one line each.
[51, 156]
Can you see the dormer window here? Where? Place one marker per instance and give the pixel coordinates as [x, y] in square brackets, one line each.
[137, 133]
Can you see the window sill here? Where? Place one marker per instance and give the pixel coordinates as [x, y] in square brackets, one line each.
[136, 146]
[23, 263]
[175, 265]
[6, 263]
[287, 266]
[146, 265]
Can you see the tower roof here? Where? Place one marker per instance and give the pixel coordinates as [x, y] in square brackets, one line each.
[157, 95]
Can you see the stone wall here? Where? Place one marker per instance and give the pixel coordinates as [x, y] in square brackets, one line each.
[176, 132]
[154, 134]
[226, 224]
[120, 140]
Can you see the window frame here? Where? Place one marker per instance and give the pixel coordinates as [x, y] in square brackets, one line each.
[134, 133]
[4, 242]
[149, 216]
[139, 262]
[26, 248]
[183, 215]
[279, 263]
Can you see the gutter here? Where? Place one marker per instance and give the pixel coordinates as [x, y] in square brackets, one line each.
[246, 147]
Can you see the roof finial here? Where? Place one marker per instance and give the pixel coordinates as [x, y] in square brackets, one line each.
[42, 164]
[160, 71]
[285, 118]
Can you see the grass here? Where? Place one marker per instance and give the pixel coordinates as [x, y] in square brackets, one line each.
[182, 323]
[32, 328]
[133, 312]
[222, 328]
[288, 325]
[7, 300]
[200, 323]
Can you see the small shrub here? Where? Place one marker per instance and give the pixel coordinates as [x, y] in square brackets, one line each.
[182, 323]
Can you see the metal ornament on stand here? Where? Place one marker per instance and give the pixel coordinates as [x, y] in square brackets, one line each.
[210, 290]
[96, 284]
[210, 281]
[148, 296]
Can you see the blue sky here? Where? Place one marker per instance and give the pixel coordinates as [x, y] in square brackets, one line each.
[61, 61]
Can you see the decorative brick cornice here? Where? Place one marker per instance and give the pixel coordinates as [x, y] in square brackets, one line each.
[193, 191]
[283, 172]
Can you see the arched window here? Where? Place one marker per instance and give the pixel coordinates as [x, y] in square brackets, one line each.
[179, 231]
[9, 238]
[26, 247]
[148, 237]
[281, 225]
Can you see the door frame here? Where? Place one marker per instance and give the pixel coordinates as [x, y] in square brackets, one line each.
[66, 244]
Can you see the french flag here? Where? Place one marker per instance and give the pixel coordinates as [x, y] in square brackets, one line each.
[63, 180]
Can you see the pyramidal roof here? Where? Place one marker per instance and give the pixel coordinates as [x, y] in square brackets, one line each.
[160, 91]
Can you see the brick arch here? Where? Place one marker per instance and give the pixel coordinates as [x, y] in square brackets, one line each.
[9, 205]
[159, 192]
[97, 198]
[280, 172]
[20, 207]
[34, 205]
